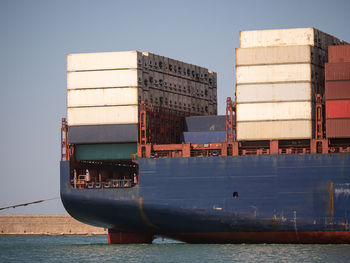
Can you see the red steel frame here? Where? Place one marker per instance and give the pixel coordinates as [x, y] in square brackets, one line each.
[160, 131]
[64, 141]
[148, 149]
[143, 126]
[229, 120]
[319, 118]
[320, 143]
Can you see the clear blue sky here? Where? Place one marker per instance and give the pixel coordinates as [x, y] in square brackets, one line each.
[35, 37]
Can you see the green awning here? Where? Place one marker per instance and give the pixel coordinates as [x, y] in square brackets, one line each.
[120, 151]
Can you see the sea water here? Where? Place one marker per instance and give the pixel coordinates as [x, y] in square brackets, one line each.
[95, 249]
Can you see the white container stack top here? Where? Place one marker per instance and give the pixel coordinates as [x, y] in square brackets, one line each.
[288, 37]
[106, 88]
[278, 73]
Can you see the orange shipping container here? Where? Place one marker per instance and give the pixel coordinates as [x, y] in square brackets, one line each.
[338, 71]
[338, 128]
[336, 90]
[338, 54]
[337, 109]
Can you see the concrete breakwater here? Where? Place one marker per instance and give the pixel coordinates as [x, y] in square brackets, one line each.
[41, 224]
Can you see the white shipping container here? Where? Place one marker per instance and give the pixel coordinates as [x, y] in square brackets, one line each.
[277, 37]
[273, 73]
[287, 37]
[102, 115]
[274, 130]
[273, 55]
[280, 55]
[102, 79]
[275, 92]
[103, 60]
[102, 97]
[274, 111]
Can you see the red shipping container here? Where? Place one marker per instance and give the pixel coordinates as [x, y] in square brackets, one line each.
[339, 53]
[338, 128]
[338, 71]
[337, 109]
[336, 90]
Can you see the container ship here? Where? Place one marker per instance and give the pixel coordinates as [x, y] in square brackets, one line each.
[144, 153]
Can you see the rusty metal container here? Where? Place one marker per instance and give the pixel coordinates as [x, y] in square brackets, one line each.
[337, 109]
[336, 90]
[338, 54]
[338, 128]
[337, 71]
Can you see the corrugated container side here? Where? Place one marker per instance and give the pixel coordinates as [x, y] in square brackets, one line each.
[281, 55]
[277, 37]
[274, 130]
[337, 109]
[274, 111]
[102, 115]
[337, 90]
[337, 71]
[338, 128]
[275, 92]
[103, 133]
[102, 97]
[103, 60]
[273, 55]
[102, 79]
[273, 73]
[338, 54]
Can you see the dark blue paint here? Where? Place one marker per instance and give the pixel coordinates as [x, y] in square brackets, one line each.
[110, 133]
[195, 195]
[204, 137]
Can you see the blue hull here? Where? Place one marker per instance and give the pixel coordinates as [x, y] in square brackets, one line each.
[218, 199]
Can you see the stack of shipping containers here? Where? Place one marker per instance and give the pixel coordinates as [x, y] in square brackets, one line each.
[338, 92]
[102, 104]
[278, 73]
[177, 85]
[104, 91]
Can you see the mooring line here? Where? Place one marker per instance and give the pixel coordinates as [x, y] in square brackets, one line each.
[30, 203]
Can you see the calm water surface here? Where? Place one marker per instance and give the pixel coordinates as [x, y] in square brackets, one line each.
[95, 249]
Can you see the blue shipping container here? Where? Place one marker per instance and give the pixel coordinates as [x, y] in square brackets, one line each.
[204, 137]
